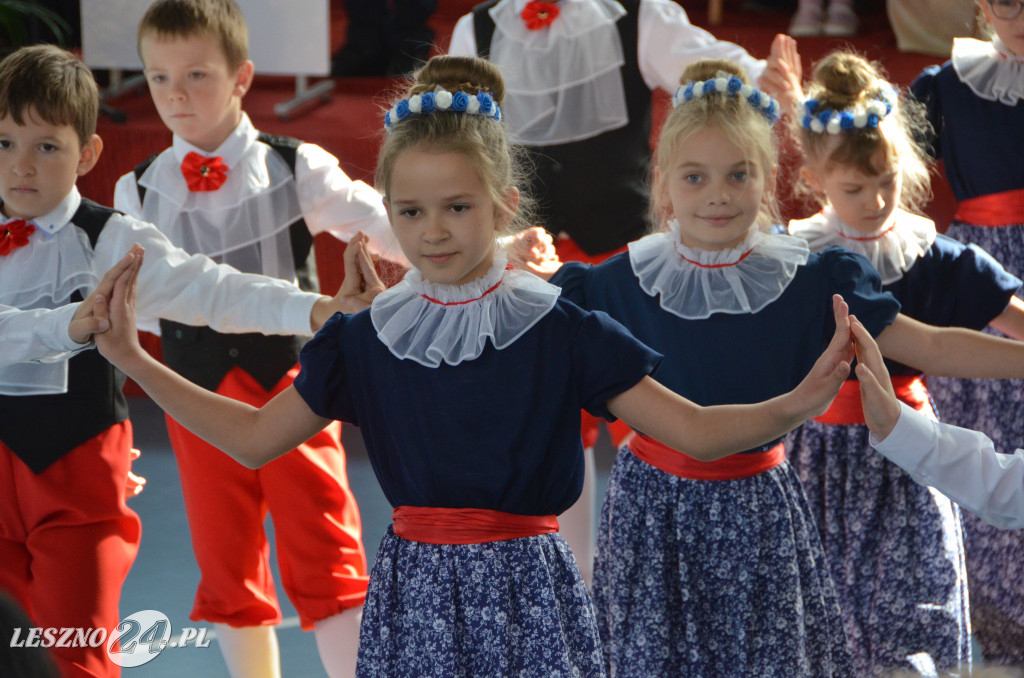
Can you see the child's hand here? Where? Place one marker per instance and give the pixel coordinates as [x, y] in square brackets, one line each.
[815, 393]
[534, 249]
[783, 74]
[134, 484]
[120, 343]
[881, 409]
[86, 322]
[358, 289]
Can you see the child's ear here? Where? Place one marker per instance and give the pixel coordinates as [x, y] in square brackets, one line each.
[90, 155]
[243, 78]
[508, 209]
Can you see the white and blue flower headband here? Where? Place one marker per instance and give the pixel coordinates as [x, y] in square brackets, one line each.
[440, 99]
[733, 86]
[861, 116]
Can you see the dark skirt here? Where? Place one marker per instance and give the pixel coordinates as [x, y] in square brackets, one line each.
[714, 578]
[995, 557]
[896, 552]
[508, 608]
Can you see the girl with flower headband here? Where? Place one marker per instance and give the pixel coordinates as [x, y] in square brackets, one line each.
[729, 548]
[975, 103]
[466, 380]
[899, 565]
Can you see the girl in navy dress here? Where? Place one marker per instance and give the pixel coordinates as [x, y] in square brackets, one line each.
[467, 380]
[895, 546]
[717, 569]
[975, 103]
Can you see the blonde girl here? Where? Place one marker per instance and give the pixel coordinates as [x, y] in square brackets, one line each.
[466, 380]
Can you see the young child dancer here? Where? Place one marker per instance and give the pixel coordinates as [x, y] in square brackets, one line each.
[471, 579]
[67, 538]
[975, 103]
[862, 163]
[253, 201]
[734, 311]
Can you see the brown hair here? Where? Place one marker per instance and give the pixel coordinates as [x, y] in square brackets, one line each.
[842, 80]
[54, 84]
[742, 123]
[480, 138]
[220, 19]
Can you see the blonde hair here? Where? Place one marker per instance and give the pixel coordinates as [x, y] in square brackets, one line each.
[743, 124]
[52, 82]
[843, 80]
[479, 138]
[219, 19]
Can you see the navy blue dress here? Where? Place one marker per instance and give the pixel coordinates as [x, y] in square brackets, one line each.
[895, 547]
[983, 159]
[722, 578]
[499, 432]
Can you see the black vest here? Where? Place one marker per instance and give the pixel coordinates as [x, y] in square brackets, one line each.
[204, 356]
[595, 189]
[40, 429]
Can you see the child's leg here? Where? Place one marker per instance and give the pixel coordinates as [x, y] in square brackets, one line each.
[841, 19]
[249, 651]
[807, 20]
[337, 640]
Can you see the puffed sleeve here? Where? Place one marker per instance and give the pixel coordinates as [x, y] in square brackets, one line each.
[607, 361]
[572, 278]
[979, 287]
[323, 377]
[924, 88]
[853, 276]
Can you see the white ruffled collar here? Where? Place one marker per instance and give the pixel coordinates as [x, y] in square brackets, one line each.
[892, 250]
[989, 69]
[431, 323]
[696, 283]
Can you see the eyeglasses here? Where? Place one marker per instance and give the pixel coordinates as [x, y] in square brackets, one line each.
[1008, 10]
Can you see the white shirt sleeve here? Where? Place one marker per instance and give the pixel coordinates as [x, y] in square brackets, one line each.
[668, 42]
[38, 335]
[126, 196]
[463, 42]
[960, 463]
[331, 202]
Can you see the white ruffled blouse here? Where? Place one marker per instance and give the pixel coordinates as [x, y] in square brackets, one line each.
[696, 283]
[989, 69]
[892, 250]
[432, 323]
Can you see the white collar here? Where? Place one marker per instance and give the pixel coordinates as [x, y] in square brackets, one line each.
[230, 150]
[431, 323]
[989, 69]
[696, 283]
[59, 216]
[892, 250]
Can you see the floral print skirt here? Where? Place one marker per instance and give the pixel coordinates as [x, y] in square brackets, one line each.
[508, 608]
[995, 557]
[896, 551]
[714, 578]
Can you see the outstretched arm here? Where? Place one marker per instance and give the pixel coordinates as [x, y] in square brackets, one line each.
[1011, 321]
[709, 433]
[783, 74]
[881, 409]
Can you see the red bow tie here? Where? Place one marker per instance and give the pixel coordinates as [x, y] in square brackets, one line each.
[204, 174]
[14, 234]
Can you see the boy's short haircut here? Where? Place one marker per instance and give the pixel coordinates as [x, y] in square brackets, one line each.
[54, 84]
[220, 19]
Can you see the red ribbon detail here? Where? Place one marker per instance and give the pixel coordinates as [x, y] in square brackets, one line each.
[680, 465]
[508, 267]
[847, 409]
[995, 209]
[14, 234]
[538, 14]
[202, 173]
[466, 526]
[697, 263]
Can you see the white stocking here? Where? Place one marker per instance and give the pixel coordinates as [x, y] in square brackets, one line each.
[249, 651]
[576, 525]
[337, 639]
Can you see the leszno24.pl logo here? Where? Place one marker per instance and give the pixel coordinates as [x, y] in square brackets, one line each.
[137, 640]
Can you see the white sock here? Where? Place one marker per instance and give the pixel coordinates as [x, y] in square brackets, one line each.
[337, 639]
[577, 524]
[249, 651]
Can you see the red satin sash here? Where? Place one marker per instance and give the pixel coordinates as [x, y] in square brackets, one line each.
[466, 526]
[995, 209]
[846, 408]
[727, 468]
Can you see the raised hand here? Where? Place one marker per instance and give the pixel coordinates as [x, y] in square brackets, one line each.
[816, 392]
[358, 289]
[783, 74]
[881, 409]
[120, 343]
[534, 250]
[86, 322]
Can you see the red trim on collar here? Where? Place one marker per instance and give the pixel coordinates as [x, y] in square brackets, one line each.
[868, 238]
[508, 267]
[697, 263]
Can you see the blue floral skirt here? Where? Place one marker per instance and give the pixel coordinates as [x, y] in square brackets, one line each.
[995, 557]
[896, 551]
[714, 578]
[508, 608]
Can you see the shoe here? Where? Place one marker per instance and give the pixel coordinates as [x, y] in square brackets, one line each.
[842, 22]
[806, 22]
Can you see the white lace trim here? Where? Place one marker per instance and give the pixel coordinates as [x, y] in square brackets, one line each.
[989, 70]
[892, 250]
[500, 306]
[563, 82]
[696, 283]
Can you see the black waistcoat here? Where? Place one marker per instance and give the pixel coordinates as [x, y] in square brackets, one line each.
[595, 189]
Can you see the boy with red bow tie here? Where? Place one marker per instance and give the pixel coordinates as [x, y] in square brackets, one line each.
[67, 538]
[254, 201]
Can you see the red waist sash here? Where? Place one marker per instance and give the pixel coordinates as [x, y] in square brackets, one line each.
[682, 466]
[466, 526]
[846, 408]
[995, 209]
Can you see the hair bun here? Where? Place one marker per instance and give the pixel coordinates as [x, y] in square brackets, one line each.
[460, 73]
[846, 77]
[706, 69]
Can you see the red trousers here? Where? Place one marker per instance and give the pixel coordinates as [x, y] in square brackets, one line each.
[316, 524]
[67, 540]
